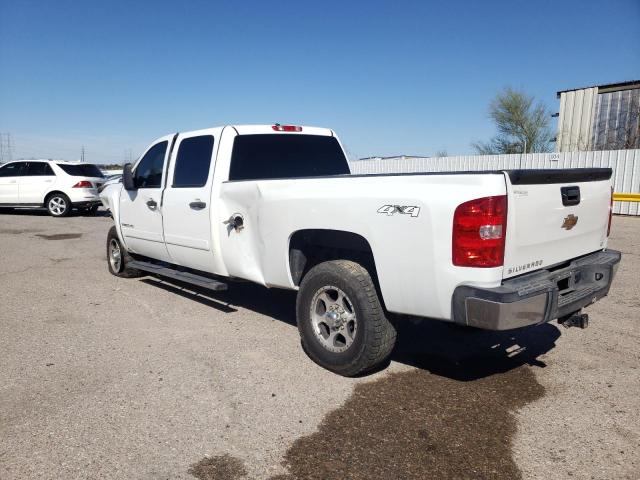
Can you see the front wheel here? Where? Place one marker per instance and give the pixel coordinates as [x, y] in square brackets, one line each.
[342, 324]
[118, 258]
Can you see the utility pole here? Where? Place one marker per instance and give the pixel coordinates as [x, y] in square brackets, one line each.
[6, 149]
[127, 156]
[82, 155]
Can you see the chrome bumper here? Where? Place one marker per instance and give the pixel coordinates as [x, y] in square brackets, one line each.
[537, 297]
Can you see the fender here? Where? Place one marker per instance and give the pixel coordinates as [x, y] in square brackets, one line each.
[110, 198]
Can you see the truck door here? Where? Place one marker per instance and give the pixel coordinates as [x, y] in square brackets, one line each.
[186, 204]
[140, 214]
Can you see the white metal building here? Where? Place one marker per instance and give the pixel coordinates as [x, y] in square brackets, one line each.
[601, 117]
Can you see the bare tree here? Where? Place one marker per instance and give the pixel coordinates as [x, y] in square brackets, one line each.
[522, 126]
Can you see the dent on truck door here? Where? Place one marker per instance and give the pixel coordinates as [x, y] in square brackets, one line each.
[186, 204]
[140, 214]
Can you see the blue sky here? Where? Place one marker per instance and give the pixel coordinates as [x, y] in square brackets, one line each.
[391, 77]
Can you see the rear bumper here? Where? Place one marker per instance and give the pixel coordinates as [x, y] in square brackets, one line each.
[83, 196]
[537, 297]
[87, 203]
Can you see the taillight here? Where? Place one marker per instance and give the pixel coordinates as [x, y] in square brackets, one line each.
[479, 228]
[286, 128]
[610, 213]
[83, 184]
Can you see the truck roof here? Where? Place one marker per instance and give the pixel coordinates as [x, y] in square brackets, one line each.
[276, 128]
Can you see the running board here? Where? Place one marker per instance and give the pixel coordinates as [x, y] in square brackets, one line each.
[186, 277]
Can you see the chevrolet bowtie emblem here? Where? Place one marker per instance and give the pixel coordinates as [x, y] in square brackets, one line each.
[569, 222]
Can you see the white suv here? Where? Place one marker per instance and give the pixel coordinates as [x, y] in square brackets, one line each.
[55, 185]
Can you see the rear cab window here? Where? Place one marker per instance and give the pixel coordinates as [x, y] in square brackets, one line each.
[271, 156]
[82, 170]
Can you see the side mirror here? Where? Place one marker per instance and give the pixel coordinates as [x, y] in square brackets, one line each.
[127, 177]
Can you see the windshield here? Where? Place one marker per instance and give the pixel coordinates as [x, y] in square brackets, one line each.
[82, 170]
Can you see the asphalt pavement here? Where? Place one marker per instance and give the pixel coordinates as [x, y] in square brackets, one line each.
[102, 377]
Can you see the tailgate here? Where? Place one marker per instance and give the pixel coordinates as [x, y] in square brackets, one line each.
[555, 216]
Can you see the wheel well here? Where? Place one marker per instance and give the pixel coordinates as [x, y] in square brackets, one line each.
[308, 248]
[46, 197]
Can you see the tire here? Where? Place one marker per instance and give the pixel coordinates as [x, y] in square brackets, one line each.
[58, 205]
[119, 269]
[360, 337]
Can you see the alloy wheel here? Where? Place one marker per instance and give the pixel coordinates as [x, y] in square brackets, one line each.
[333, 318]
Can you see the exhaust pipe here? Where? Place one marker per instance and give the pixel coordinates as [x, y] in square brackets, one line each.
[575, 319]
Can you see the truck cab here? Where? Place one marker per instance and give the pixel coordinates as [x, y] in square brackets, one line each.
[181, 208]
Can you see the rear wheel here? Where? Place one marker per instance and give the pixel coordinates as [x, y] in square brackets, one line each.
[342, 324]
[118, 258]
[58, 205]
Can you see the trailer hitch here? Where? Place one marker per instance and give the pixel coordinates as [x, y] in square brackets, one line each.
[575, 319]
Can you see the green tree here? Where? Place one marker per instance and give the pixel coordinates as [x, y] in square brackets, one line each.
[523, 127]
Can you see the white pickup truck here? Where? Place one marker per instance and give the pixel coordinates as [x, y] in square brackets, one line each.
[277, 205]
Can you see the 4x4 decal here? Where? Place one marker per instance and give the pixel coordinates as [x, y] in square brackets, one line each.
[403, 209]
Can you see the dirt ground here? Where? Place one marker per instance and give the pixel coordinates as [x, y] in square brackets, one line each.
[102, 377]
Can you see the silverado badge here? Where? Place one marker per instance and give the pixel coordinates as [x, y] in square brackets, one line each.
[569, 222]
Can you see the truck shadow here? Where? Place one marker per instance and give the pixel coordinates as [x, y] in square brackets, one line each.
[275, 303]
[443, 349]
[467, 354]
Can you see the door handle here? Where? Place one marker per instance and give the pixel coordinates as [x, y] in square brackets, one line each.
[152, 204]
[197, 205]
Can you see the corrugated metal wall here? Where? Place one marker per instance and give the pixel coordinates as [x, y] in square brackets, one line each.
[575, 124]
[617, 120]
[625, 165]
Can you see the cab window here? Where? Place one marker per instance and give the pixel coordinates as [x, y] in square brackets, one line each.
[148, 173]
[193, 162]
